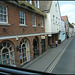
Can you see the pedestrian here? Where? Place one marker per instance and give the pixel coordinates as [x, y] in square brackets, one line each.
[56, 42]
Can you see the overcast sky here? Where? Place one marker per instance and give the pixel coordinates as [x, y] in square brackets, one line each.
[68, 8]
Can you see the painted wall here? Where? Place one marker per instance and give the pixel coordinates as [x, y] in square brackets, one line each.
[53, 23]
[62, 33]
[71, 32]
[56, 20]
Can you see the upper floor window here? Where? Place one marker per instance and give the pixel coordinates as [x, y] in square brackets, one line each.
[34, 20]
[37, 3]
[22, 18]
[3, 14]
[29, 1]
[41, 22]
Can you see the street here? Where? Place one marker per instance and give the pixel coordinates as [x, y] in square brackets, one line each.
[66, 64]
[56, 60]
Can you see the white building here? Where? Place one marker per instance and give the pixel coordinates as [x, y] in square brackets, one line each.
[62, 33]
[53, 19]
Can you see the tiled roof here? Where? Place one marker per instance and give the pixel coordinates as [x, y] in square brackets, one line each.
[30, 7]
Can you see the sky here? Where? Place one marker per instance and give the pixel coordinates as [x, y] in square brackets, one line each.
[68, 8]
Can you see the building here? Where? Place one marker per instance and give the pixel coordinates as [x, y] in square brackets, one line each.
[52, 21]
[65, 18]
[22, 32]
[71, 30]
[62, 33]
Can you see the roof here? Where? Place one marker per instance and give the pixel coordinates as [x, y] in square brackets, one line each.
[28, 6]
[45, 5]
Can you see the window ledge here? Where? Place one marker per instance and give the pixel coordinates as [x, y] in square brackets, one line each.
[6, 24]
[23, 25]
[41, 26]
[34, 26]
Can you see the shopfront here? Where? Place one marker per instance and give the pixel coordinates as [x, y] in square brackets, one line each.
[35, 47]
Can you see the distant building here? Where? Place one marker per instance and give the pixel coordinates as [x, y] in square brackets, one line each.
[52, 20]
[62, 33]
[71, 30]
[65, 18]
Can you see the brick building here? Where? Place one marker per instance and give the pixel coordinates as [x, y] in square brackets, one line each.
[22, 32]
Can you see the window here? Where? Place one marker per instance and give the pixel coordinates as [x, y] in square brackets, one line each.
[3, 14]
[6, 53]
[41, 22]
[22, 18]
[29, 1]
[24, 51]
[37, 3]
[34, 20]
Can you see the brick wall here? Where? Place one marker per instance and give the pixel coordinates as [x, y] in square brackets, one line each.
[13, 20]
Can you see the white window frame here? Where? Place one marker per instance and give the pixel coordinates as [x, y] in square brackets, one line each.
[30, 1]
[34, 20]
[37, 5]
[42, 21]
[6, 16]
[22, 18]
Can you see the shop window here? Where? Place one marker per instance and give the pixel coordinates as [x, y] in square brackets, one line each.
[6, 54]
[24, 51]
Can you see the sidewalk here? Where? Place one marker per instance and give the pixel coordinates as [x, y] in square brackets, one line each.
[43, 61]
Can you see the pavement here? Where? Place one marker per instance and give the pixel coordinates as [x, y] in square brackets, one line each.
[42, 62]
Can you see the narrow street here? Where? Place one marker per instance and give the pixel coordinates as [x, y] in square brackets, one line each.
[66, 64]
[53, 56]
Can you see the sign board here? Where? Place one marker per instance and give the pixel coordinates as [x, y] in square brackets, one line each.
[42, 37]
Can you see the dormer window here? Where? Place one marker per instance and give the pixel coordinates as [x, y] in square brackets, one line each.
[37, 3]
[29, 1]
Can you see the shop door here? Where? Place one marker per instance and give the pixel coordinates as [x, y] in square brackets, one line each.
[35, 47]
[43, 45]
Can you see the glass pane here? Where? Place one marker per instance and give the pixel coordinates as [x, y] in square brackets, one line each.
[23, 59]
[11, 54]
[4, 50]
[12, 62]
[4, 62]
[8, 61]
[3, 56]
[7, 55]
[23, 48]
[11, 48]
[0, 62]
[8, 45]
[4, 44]
[23, 54]
[0, 46]
[0, 57]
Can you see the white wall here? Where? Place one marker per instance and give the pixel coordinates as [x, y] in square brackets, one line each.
[53, 24]
[56, 23]
[71, 32]
[48, 23]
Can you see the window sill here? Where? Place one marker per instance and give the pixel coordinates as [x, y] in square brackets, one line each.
[6, 24]
[34, 26]
[41, 26]
[23, 25]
